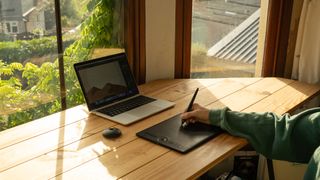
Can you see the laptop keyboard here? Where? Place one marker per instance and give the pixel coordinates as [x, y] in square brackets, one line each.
[126, 105]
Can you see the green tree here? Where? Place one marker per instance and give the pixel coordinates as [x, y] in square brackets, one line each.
[10, 85]
[99, 30]
[72, 12]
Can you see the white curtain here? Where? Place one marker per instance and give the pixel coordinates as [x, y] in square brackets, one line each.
[306, 64]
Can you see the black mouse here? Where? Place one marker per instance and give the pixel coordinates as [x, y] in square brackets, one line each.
[111, 132]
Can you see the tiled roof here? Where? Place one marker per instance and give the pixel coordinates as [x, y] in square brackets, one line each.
[239, 45]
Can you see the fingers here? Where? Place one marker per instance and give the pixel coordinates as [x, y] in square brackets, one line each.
[196, 106]
[187, 115]
[194, 113]
[198, 113]
[187, 118]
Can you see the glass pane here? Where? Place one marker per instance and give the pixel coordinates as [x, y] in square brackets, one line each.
[14, 29]
[224, 38]
[89, 33]
[27, 53]
[29, 68]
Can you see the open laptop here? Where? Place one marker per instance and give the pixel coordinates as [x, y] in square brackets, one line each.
[171, 134]
[110, 90]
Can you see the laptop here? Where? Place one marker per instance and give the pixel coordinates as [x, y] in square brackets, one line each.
[110, 90]
[171, 134]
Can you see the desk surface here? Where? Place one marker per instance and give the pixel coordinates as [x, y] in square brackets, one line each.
[69, 144]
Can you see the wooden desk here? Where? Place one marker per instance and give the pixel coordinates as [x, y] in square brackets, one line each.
[69, 144]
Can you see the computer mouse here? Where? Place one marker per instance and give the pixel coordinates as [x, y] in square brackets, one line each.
[111, 132]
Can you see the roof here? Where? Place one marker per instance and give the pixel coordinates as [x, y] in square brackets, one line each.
[240, 44]
[28, 12]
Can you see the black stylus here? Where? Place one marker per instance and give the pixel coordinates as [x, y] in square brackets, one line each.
[184, 123]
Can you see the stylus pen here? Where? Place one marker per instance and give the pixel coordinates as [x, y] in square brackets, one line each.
[185, 123]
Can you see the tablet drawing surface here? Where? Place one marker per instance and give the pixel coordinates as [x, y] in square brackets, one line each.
[171, 134]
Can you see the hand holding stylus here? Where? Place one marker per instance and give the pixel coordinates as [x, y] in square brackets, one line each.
[198, 114]
[184, 123]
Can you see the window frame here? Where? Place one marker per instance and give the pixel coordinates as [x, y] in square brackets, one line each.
[276, 39]
[134, 46]
[135, 35]
[183, 38]
[10, 28]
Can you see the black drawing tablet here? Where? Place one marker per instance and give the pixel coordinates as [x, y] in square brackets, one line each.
[169, 133]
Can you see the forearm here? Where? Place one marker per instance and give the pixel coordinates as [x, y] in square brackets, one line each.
[277, 137]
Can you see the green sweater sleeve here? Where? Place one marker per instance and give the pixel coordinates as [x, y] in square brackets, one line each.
[290, 138]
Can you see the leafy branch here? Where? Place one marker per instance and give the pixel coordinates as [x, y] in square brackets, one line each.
[37, 87]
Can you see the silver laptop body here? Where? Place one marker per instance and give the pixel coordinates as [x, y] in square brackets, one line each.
[107, 84]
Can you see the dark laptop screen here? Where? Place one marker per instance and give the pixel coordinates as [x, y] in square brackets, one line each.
[106, 80]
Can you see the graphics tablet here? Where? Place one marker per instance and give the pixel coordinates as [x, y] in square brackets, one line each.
[169, 133]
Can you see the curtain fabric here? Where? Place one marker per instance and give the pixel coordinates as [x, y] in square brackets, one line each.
[306, 64]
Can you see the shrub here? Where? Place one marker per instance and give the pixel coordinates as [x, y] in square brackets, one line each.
[5, 37]
[21, 50]
[42, 82]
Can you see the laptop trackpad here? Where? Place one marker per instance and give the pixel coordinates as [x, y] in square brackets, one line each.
[138, 113]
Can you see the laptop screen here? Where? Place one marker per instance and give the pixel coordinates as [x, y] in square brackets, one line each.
[106, 80]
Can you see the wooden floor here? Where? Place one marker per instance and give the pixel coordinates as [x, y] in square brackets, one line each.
[69, 145]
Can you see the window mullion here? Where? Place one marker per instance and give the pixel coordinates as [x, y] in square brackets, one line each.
[60, 55]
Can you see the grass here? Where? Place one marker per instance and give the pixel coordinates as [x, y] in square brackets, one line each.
[203, 66]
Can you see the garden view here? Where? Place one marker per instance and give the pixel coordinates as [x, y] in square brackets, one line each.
[29, 68]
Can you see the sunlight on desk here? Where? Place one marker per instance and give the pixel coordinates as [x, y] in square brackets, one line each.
[97, 171]
[69, 144]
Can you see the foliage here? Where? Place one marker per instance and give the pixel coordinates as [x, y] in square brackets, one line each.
[37, 91]
[20, 83]
[97, 31]
[5, 37]
[26, 116]
[22, 50]
[71, 12]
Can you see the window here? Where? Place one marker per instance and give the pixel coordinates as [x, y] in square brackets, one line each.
[12, 26]
[36, 72]
[224, 38]
[8, 27]
[275, 25]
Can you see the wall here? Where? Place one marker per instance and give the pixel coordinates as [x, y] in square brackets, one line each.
[160, 39]
[26, 5]
[36, 21]
[287, 170]
[11, 10]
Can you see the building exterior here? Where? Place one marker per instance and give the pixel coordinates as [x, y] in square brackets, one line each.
[21, 17]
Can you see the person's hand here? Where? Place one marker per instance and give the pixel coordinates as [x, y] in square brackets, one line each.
[198, 113]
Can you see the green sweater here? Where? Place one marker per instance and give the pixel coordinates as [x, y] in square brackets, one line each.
[290, 138]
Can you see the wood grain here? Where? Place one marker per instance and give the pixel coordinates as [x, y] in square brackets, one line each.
[75, 149]
[178, 89]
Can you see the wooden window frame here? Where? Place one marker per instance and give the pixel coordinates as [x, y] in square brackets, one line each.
[135, 26]
[183, 38]
[277, 38]
[276, 44]
[134, 37]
